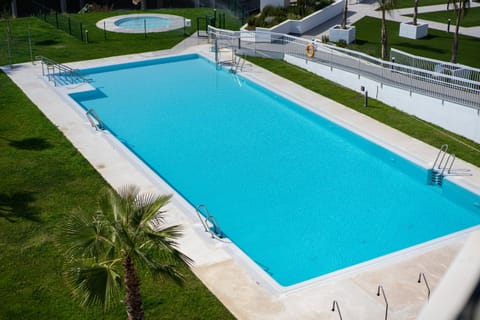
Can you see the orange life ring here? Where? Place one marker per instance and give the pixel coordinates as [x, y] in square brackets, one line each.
[310, 50]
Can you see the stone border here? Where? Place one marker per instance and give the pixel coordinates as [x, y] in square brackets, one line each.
[108, 24]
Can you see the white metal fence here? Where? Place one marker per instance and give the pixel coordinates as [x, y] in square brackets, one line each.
[448, 68]
[427, 82]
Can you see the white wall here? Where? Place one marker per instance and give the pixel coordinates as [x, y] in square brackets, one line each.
[459, 119]
[274, 3]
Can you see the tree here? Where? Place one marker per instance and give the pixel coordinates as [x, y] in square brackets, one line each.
[415, 13]
[385, 6]
[126, 231]
[344, 15]
[460, 9]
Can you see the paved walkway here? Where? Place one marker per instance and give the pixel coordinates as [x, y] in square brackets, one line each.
[360, 10]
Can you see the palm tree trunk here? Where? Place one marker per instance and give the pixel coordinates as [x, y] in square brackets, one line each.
[459, 11]
[384, 36]
[344, 17]
[415, 13]
[133, 299]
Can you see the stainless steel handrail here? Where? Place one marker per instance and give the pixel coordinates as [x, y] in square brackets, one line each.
[380, 288]
[91, 115]
[70, 75]
[420, 276]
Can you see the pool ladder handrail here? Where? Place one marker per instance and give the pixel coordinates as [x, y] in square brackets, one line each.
[441, 152]
[94, 120]
[420, 276]
[69, 75]
[216, 232]
[237, 63]
[335, 303]
[380, 289]
[439, 166]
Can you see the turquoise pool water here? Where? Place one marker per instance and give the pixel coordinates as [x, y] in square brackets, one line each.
[142, 22]
[300, 195]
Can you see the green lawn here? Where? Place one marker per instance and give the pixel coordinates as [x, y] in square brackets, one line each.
[437, 45]
[55, 44]
[421, 3]
[471, 19]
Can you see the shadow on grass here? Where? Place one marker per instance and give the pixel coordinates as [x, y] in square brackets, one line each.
[35, 144]
[18, 206]
[48, 42]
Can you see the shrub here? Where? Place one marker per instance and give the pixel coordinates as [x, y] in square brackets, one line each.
[271, 16]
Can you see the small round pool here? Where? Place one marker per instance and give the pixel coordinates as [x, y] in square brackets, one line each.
[143, 22]
[140, 23]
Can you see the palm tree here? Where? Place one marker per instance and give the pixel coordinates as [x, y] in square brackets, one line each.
[415, 13]
[119, 234]
[385, 6]
[460, 8]
[344, 15]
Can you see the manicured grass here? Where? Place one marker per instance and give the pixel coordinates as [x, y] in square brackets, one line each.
[431, 134]
[471, 19]
[437, 45]
[44, 177]
[60, 46]
[421, 3]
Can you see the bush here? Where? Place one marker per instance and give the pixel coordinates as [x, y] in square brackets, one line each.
[271, 16]
[341, 43]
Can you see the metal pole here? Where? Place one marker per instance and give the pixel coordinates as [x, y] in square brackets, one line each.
[30, 44]
[145, 27]
[380, 289]
[104, 30]
[216, 50]
[9, 49]
[86, 36]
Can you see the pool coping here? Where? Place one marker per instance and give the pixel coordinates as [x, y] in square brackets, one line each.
[247, 295]
[109, 24]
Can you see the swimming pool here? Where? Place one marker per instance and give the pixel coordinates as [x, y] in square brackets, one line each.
[143, 22]
[301, 196]
[140, 23]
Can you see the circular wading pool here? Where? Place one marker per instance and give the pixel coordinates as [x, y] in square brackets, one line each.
[140, 23]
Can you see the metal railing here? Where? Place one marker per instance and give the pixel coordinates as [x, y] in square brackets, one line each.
[380, 290]
[94, 120]
[420, 276]
[335, 304]
[215, 230]
[424, 63]
[275, 45]
[60, 74]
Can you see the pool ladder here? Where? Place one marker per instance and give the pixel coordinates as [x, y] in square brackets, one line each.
[238, 63]
[441, 163]
[59, 73]
[214, 229]
[94, 120]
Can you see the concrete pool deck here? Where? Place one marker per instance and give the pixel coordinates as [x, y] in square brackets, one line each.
[242, 288]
